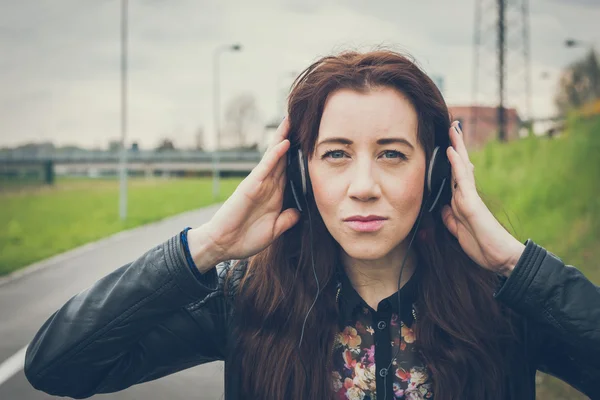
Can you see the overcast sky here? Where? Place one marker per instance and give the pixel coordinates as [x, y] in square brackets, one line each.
[60, 59]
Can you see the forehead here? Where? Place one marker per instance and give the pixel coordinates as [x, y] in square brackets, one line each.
[368, 116]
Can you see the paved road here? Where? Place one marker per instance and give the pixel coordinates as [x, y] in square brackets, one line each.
[27, 302]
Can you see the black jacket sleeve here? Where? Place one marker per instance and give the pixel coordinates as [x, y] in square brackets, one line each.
[562, 310]
[145, 320]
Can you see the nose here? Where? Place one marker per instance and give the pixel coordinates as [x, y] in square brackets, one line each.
[364, 184]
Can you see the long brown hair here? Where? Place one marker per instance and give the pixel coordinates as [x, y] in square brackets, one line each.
[462, 331]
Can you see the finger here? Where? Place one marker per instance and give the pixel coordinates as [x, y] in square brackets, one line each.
[280, 169]
[449, 220]
[460, 173]
[458, 141]
[280, 134]
[270, 160]
[286, 220]
[281, 166]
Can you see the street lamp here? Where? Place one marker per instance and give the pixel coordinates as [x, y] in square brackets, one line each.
[575, 43]
[571, 43]
[216, 111]
[123, 153]
[580, 43]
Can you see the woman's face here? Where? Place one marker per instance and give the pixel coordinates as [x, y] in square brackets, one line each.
[368, 161]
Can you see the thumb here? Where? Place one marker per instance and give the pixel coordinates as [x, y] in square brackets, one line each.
[286, 220]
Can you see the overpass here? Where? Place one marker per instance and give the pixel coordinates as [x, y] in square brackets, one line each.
[15, 165]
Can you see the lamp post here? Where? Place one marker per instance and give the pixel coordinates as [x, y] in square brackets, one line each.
[123, 152]
[217, 112]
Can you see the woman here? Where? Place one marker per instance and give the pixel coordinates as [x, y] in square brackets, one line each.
[303, 301]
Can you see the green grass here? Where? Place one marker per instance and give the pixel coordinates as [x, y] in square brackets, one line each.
[39, 222]
[549, 190]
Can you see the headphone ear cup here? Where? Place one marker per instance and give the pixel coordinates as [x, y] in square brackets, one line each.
[305, 175]
[439, 176]
[295, 192]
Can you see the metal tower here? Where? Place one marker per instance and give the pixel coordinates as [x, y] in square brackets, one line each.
[501, 60]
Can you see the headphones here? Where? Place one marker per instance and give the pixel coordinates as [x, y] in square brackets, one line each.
[437, 180]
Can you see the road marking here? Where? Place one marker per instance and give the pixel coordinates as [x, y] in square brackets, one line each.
[12, 365]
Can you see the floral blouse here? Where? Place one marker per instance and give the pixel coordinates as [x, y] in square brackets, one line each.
[368, 340]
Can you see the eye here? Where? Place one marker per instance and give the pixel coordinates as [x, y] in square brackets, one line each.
[400, 155]
[327, 153]
[389, 154]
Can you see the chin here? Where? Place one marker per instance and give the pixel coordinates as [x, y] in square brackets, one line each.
[365, 251]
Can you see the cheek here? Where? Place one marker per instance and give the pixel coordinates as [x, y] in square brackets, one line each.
[324, 190]
[410, 193]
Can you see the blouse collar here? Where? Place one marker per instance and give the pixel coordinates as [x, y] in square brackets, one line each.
[348, 299]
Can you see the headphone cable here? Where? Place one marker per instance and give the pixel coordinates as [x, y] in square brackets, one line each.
[399, 309]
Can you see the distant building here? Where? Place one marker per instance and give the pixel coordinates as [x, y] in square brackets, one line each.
[480, 124]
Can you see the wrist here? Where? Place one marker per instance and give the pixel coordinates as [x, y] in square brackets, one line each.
[516, 252]
[203, 250]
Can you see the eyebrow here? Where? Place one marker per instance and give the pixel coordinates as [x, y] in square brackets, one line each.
[382, 141]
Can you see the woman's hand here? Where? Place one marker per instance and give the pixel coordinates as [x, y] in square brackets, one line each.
[251, 218]
[479, 233]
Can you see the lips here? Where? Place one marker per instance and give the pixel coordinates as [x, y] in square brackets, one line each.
[365, 218]
[365, 223]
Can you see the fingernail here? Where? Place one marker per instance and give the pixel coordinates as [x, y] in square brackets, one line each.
[459, 127]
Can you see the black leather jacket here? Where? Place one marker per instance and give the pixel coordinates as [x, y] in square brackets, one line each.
[142, 322]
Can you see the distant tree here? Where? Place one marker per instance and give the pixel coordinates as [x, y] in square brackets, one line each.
[165, 145]
[135, 147]
[579, 84]
[34, 148]
[240, 114]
